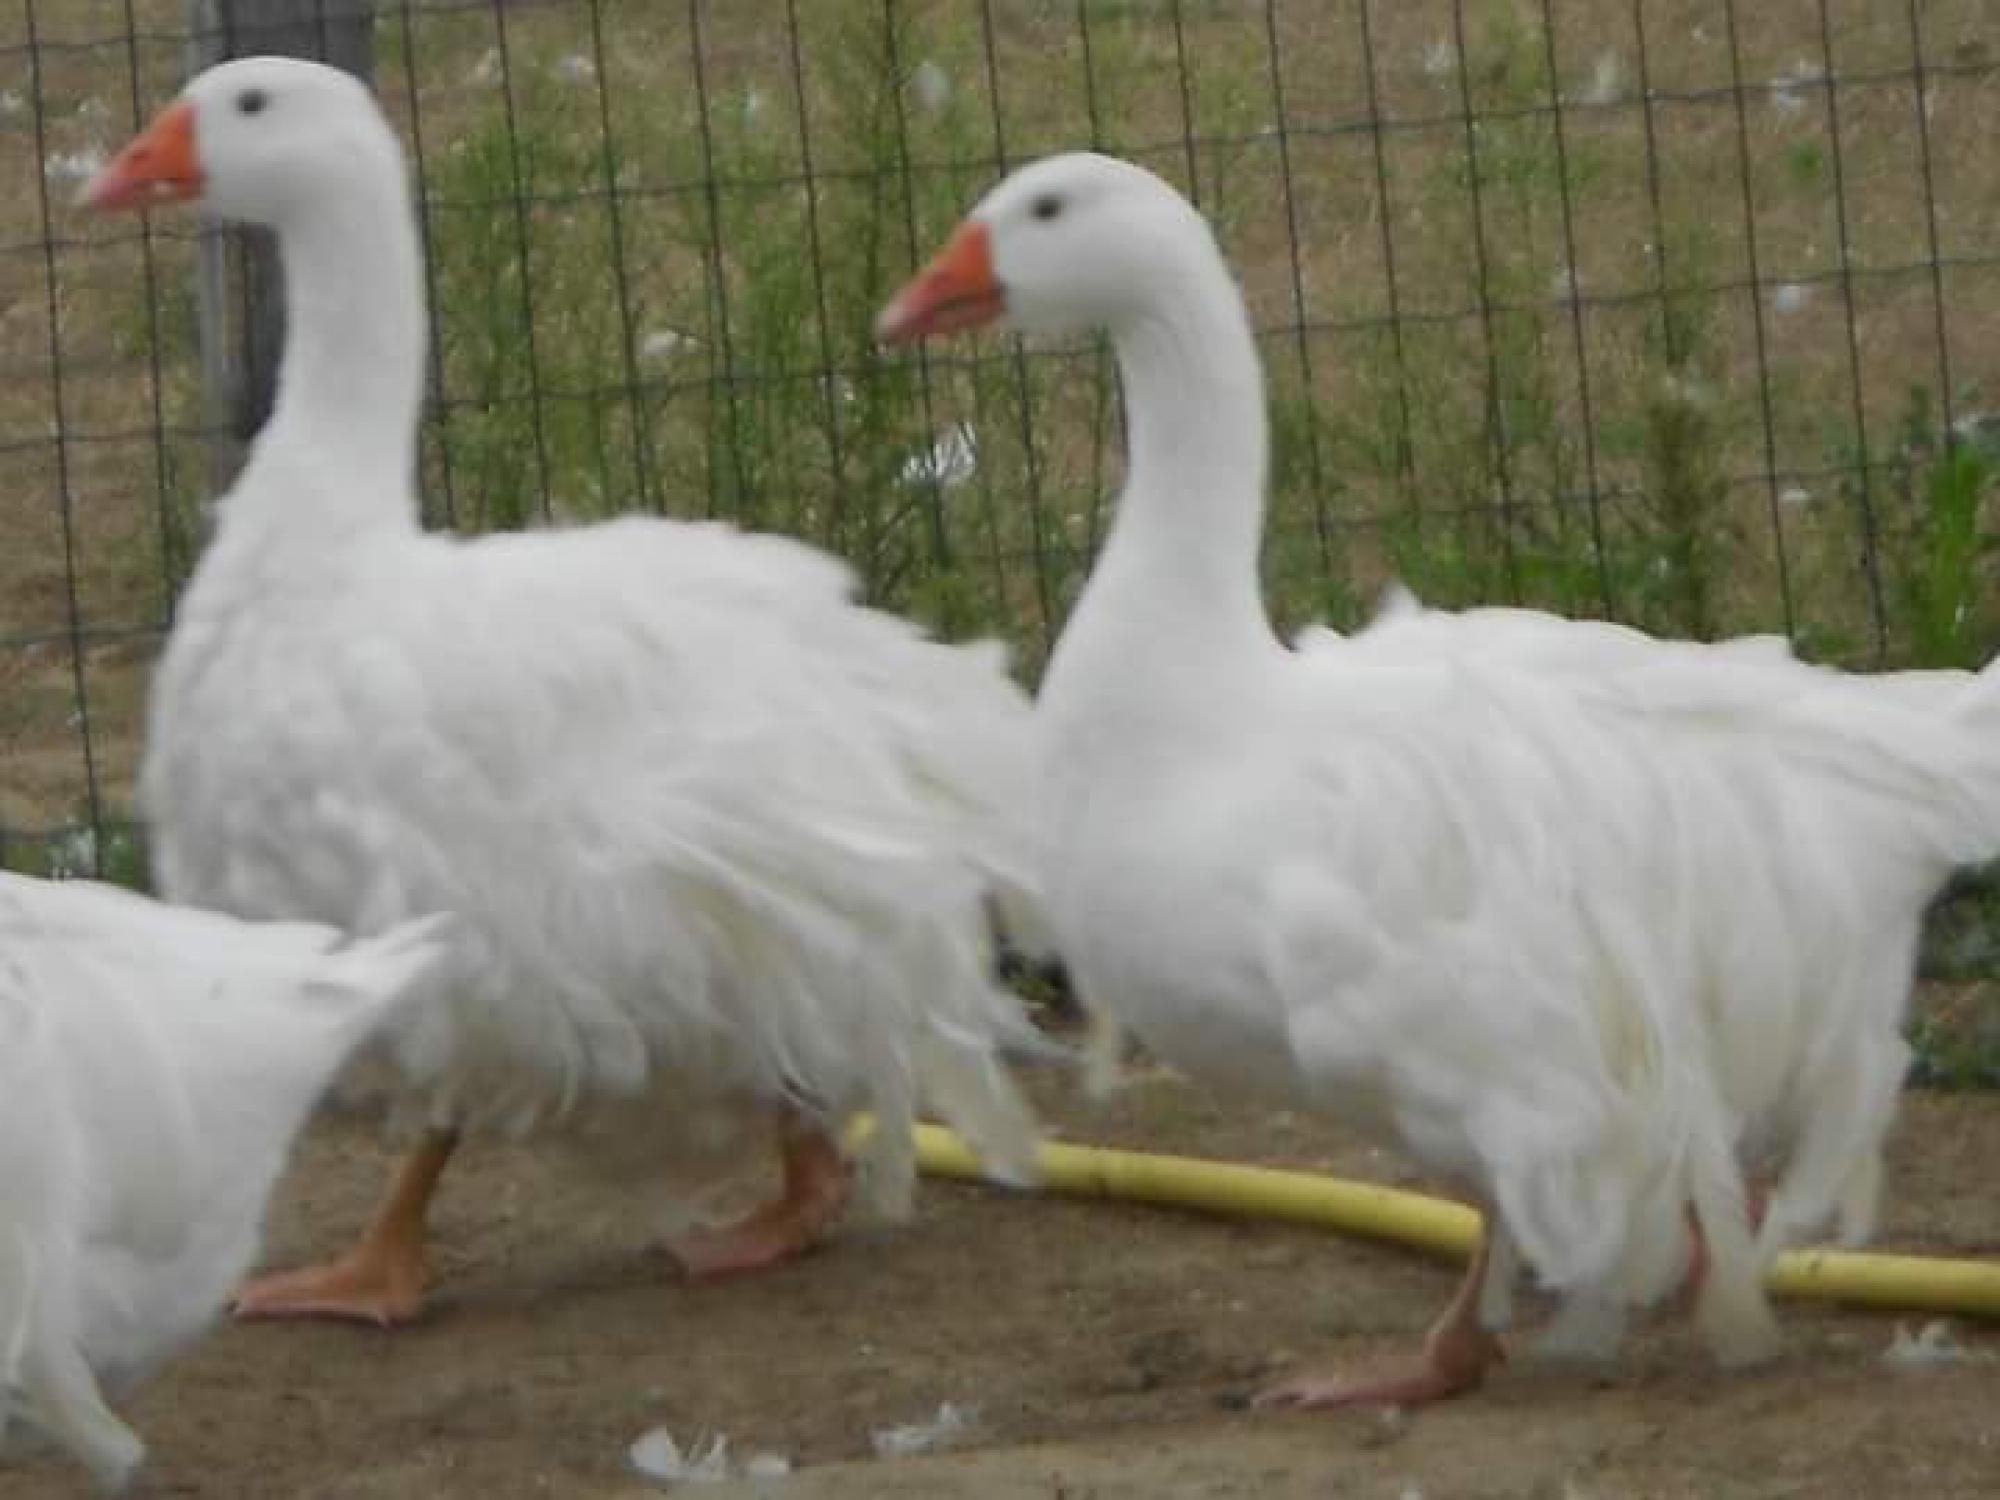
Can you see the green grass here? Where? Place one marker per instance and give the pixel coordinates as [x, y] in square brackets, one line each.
[701, 346]
[1940, 565]
[113, 850]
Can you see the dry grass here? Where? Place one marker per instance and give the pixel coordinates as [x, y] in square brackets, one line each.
[1673, 505]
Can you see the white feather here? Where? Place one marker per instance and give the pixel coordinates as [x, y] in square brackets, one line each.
[155, 1064]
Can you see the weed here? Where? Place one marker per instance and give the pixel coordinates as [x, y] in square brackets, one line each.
[113, 850]
[701, 345]
[1940, 491]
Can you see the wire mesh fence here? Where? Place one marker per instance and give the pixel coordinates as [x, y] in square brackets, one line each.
[1674, 311]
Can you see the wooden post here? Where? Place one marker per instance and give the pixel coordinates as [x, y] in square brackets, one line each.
[239, 291]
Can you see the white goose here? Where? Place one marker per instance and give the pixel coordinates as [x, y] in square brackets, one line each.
[1580, 917]
[718, 838]
[155, 1063]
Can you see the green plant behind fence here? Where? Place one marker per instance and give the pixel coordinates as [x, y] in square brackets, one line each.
[1581, 400]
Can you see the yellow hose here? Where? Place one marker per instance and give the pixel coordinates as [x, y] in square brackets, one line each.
[1908, 1282]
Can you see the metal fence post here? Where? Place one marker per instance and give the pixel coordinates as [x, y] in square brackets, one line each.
[239, 291]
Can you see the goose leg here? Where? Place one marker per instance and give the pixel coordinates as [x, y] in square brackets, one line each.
[1756, 1202]
[381, 1280]
[1457, 1353]
[816, 1187]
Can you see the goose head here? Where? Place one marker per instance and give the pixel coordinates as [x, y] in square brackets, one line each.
[1066, 245]
[1084, 243]
[258, 140]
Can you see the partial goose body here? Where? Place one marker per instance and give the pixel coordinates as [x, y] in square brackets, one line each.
[723, 843]
[720, 840]
[1577, 916]
[155, 1064]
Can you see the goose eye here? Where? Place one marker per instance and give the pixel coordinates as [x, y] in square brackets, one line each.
[252, 101]
[1048, 206]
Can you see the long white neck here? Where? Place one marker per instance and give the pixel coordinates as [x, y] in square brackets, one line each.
[1191, 516]
[350, 387]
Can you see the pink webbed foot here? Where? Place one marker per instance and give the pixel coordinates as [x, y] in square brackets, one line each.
[1458, 1351]
[365, 1286]
[382, 1279]
[815, 1191]
[1455, 1361]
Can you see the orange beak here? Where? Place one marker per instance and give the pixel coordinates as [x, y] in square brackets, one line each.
[161, 165]
[956, 290]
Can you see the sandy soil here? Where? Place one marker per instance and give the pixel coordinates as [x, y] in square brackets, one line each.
[1106, 1349]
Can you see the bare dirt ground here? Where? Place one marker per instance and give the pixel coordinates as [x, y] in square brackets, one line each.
[1106, 1349]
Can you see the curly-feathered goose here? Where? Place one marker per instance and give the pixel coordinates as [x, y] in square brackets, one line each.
[1585, 920]
[718, 838]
